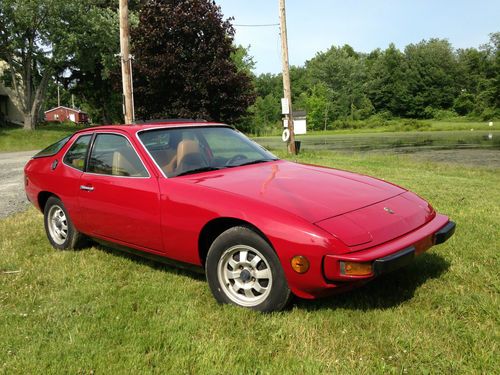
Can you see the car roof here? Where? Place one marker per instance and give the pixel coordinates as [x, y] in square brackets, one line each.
[160, 124]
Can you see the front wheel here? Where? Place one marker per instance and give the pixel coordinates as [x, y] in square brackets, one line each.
[243, 269]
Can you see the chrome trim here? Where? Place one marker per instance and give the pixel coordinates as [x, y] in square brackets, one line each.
[87, 188]
[111, 175]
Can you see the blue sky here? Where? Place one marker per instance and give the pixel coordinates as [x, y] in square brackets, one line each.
[315, 25]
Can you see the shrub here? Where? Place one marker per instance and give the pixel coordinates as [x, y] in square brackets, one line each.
[490, 114]
[463, 104]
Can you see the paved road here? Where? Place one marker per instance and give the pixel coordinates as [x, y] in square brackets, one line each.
[12, 196]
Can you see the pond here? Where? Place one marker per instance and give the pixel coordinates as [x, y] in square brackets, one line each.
[394, 142]
[478, 148]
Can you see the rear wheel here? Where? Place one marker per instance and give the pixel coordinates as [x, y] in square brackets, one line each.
[60, 230]
[243, 269]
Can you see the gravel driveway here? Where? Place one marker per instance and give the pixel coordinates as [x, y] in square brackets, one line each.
[12, 196]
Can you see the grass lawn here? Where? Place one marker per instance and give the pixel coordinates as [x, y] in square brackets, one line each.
[17, 139]
[98, 311]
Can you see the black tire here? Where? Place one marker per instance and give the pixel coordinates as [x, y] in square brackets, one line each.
[261, 284]
[62, 234]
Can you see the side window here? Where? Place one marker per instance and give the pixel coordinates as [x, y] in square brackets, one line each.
[114, 155]
[75, 157]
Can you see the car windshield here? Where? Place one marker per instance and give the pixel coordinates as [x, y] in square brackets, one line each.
[190, 150]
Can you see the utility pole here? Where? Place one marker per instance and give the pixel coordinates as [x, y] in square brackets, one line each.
[126, 64]
[286, 77]
[58, 96]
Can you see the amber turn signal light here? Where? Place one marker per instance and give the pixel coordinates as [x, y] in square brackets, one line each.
[300, 264]
[356, 269]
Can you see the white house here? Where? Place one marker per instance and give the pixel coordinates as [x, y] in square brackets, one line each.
[10, 108]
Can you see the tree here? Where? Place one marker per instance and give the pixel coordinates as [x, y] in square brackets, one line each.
[93, 67]
[464, 103]
[488, 97]
[34, 42]
[268, 83]
[266, 113]
[242, 59]
[183, 65]
[317, 103]
[388, 90]
[44, 40]
[344, 72]
[431, 77]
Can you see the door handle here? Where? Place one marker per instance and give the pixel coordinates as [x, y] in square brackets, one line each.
[86, 188]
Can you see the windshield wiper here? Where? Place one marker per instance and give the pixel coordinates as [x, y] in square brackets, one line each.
[257, 161]
[197, 170]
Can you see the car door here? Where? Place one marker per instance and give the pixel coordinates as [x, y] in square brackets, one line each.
[66, 181]
[119, 198]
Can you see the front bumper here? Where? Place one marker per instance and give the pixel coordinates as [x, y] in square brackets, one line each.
[393, 255]
[446, 232]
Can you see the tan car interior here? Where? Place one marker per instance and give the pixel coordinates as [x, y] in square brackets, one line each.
[126, 163]
[174, 160]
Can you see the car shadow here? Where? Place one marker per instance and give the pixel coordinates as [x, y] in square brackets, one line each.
[156, 263]
[386, 291]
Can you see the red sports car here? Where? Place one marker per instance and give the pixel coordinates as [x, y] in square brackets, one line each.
[204, 195]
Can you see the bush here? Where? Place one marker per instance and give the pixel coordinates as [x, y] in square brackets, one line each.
[445, 114]
[407, 125]
[463, 104]
[490, 114]
[380, 119]
[439, 114]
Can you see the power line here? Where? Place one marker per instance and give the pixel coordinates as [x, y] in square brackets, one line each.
[259, 25]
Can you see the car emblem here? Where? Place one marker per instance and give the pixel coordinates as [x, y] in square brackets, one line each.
[388, 210]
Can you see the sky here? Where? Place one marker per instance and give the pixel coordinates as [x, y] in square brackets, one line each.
[315, 25]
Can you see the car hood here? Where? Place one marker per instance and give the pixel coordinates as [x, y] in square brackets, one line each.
[380, 222]
[311, 192]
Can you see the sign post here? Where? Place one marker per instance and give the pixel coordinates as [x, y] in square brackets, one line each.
[286, 102]
[126, 62]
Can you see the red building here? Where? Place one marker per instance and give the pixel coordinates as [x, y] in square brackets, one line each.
[61, 114]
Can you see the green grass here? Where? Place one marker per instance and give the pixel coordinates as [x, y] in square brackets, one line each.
[18, 139]
[98, 311]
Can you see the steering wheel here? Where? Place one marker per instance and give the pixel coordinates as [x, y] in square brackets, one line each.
[235, 158]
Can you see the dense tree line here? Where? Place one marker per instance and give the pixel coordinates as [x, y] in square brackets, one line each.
[187, 66]
[429, 79]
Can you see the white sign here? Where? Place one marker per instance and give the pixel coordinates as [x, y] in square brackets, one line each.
[299, 126]
[285, 107]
